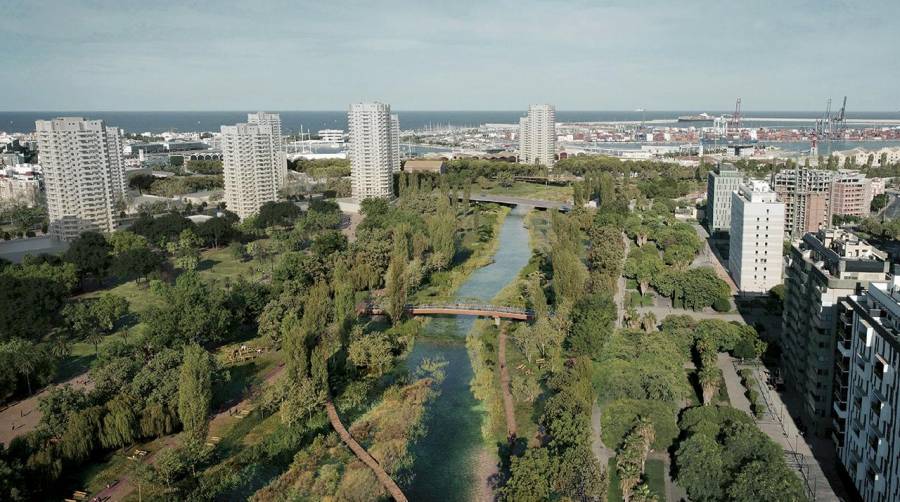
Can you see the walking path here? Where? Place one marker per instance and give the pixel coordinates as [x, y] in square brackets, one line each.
[363, 455]
[619, 297]
[778, 424]
[733, 384]
[23, 416]
[662, 312]
[508, 406]
[601, 451]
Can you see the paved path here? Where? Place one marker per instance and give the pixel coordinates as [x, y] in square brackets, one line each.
[600, 450]
[519, 201]
[619, 297]
[778, 424]
[508, 406]
[733, 384]
[363, 455]
[663, 312]
[23, 416]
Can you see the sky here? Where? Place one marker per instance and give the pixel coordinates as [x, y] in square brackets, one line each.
[449, 54]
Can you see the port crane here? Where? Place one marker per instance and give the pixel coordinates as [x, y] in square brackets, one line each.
[736, 118]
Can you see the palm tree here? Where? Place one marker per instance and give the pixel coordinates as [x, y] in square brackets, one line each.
[643, 494]
[648, 322]
[60, 345]
[94, 336]
[26, 362]
[709, 382]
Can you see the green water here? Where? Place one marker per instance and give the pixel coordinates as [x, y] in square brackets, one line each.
[446, 457]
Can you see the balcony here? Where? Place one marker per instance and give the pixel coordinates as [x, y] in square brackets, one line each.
[840, 408]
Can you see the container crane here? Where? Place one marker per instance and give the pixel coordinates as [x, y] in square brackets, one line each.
[736, 118]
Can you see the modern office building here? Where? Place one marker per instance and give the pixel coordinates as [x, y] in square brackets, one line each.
[721, 182]
[372, 152]
[254, 164]
[537, 136]
[756, 237]
[823, 269]
[869, 447]
[84, 174]
[395, 143]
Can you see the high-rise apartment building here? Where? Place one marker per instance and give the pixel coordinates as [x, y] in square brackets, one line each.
[805, 193]
[84, 174]
[395, 142]
[813, 196]
[254, 163]
[720, 184]
[537, 136]
[756, 236]
[372, 152]
[824, 268]
[867, 408]
[274, 120]
[851, 194]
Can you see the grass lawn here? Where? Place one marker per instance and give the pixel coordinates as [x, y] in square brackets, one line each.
[529, 191]
[220, 264]
[654, 476]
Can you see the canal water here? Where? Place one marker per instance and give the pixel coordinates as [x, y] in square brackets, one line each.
[446, 458]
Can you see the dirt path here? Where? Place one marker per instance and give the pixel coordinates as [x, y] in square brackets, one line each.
[23, 416]
[363, 455]
[508, 406]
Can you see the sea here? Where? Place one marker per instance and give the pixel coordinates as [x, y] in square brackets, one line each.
[293, 121]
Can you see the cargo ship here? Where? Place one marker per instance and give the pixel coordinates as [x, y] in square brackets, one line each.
[703, 117]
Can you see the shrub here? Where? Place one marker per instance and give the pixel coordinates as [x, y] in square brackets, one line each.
[721, 304]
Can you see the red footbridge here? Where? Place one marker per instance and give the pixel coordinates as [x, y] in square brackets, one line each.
[469, 309]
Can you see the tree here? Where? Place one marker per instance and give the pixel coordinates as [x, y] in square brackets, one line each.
[195, 390]
[528, 480]
[396, 285]
[372, 352]
[141, 182]
[878, 202]
[765, 480]
[186, 250]
[91, 255]
[593, 319]
[136, 263]
[216, 231]
[277, 214]
[700, 468]
[108, 309]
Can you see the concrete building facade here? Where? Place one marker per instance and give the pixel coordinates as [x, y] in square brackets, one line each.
[805, 193]
[84, 174]
[870, 447]
[823, 269]
[371, 150]
[851, 194]
[20, 184]
[720, 184]
[395, 143]
[537, 136]
[756, 236]
[254, 165]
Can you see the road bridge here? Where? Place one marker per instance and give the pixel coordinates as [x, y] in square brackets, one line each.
[520, 201]
[468, 309]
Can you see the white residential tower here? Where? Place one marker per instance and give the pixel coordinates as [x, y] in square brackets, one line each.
[372, 150]
[84, 174]
[757, 230]
[537, 136]
[254, 163]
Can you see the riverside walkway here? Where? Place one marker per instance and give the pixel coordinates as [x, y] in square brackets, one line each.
[468, 309]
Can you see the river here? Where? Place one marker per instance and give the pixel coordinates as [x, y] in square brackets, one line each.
[446, 458]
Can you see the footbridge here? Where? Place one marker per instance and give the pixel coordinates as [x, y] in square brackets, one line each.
[468, 309]
[519, 201]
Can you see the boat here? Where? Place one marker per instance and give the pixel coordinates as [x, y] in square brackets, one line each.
[703, 117]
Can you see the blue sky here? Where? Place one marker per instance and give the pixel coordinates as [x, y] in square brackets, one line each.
[449, 54]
